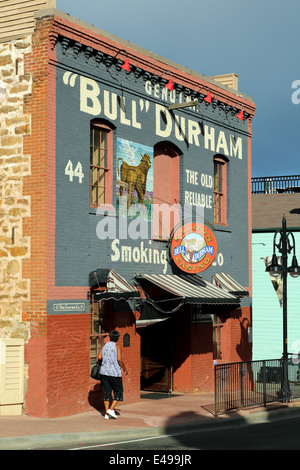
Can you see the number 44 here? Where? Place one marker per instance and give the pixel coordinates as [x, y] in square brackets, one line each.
[71, 172]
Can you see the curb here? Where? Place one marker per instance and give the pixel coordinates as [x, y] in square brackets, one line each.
[44, 441]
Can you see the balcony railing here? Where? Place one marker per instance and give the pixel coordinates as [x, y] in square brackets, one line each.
[276, 184]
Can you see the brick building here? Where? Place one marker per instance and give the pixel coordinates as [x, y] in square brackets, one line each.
[89, 243]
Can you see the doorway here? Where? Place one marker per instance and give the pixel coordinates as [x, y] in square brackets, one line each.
[156, 357]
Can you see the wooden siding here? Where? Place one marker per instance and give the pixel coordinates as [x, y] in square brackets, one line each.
[230, 80]
[17, 16]
[266, 310]
[11, 376]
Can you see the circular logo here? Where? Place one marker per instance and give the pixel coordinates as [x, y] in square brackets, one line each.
[193, 248]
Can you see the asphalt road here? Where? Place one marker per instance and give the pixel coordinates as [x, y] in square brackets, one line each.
[279, 435]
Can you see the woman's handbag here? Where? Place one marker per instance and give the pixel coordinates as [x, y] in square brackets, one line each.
[95, 371]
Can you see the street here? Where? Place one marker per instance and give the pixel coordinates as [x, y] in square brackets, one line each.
[280, 435]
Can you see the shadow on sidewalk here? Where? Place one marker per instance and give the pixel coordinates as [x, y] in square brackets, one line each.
[229, 431]
[95, 399]
[196, 435]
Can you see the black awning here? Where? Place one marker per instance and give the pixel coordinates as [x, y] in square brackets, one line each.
[226, 282]
[116, 295]
[150, 315]
[117, 288]
[193, 289]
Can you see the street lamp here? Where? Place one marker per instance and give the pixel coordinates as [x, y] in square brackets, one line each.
[285, 246]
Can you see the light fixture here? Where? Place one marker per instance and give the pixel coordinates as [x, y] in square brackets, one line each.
[294, 269]
[170, 84]
[187, 104]
[208, 98]
[284, 247]
[126, 65]
[241, 115]
[275, 269]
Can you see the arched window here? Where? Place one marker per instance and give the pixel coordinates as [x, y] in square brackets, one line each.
[165, 189]
[101, 168]
[220, 190]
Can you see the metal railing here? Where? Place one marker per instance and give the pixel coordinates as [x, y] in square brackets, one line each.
[243, 384]
[276, 184]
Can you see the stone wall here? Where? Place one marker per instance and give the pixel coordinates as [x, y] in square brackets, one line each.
[14, 206]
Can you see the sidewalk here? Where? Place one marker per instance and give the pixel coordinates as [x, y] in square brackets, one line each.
[154, 413]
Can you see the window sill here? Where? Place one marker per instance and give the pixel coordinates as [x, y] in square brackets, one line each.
[221, 224]
[157, 238]
[222, 228]
[93, 211]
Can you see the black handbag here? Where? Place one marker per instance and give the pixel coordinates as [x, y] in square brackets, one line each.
[95, 371]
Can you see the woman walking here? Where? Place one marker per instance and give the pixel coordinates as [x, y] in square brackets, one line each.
[111, 374]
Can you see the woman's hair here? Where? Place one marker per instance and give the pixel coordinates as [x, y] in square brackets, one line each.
[114, 335]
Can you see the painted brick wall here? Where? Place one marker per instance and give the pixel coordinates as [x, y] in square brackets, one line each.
[202, 357]
[68, 349]
[35, 185]
[70, 389]
[74, 141]
[193, 362]
[193, 366]
[235, 340]
[182, 361]
[35, 227]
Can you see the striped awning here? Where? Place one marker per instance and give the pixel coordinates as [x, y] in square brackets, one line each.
[192, 288]
[117, 288]
[226, 282]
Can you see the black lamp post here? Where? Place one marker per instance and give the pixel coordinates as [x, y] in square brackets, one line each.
[275, 269]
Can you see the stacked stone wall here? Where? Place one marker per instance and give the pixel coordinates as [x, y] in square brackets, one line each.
[14, 206]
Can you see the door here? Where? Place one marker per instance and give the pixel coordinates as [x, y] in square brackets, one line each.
[156, 357]
[165, 190]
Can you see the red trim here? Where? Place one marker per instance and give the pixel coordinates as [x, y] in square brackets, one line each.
[109, 174]
[110, 46]
[223, 161]
[165, 190]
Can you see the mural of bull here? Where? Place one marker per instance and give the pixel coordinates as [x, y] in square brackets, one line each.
[135, 178]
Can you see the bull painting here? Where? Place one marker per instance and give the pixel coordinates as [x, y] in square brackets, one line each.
[134, 171]
[135, 178]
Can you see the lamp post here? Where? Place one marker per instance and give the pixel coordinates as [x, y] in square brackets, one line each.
[285, 246]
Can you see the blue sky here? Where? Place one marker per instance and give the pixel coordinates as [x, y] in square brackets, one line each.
[256, 39]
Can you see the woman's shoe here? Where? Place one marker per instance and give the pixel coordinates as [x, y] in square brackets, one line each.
[112, 413]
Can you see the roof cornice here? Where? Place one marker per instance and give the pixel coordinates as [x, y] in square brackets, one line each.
[97, 40]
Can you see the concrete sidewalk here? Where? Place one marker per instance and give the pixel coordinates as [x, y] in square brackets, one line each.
[153, 414]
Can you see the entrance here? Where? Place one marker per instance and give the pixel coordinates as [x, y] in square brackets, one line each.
[156, 357]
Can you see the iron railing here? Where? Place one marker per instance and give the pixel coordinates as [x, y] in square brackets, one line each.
[244, 384]
[276, 184]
